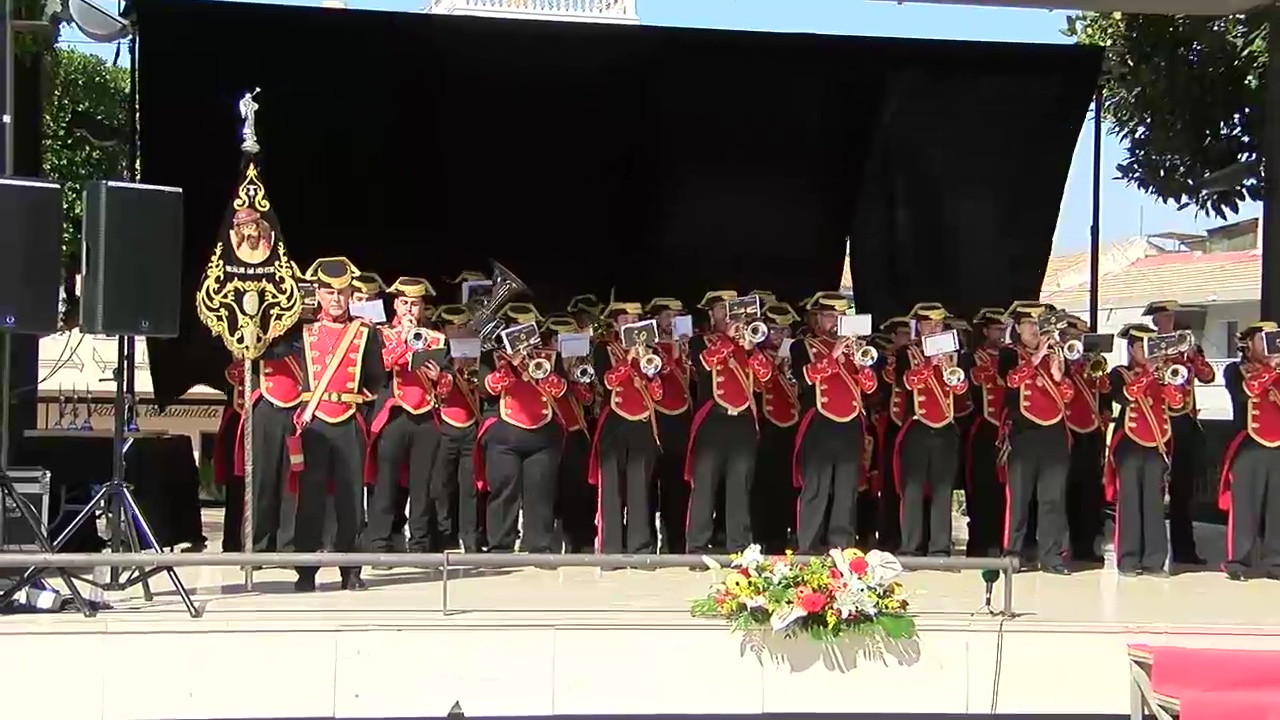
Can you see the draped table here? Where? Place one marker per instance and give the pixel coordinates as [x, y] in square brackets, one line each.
[161, 468]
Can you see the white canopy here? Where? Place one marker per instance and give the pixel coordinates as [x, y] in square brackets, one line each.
[1154, 7]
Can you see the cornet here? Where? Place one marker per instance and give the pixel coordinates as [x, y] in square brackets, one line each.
[539, 368]
[756, 332]
[952, 375]
[1175, 375]
[866, 355]
[650, 364]
[416, 338]
[1072, 350]
[1096, 367]
[583, 373]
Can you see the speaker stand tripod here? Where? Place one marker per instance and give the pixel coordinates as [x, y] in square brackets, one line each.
[129, 529]
[10, 491]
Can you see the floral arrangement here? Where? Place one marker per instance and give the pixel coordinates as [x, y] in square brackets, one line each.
[828, 597]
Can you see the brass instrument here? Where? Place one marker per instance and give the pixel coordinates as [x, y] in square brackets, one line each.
[952, 374]
[583, 373]
[866, 355]
[1096, 366]
[650, 363]
[1175, 374]
[756, 332]
[470, 373]
[485, 309]
[539, 368]
[1071, 350]
[416, 338]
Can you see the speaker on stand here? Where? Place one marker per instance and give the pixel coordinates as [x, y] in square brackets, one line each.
[131, 287]
[30, 284]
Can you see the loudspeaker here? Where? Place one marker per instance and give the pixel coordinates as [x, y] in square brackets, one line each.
[30, 255]
[132, 279]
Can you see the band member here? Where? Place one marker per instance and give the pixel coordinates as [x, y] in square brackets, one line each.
[1188, 451]
[576, 500]
[767, 297]
[673, 417]
[889, 517]
[404, 435]
[459, 419]
[519, 455]
[963, 403]
[461, 280]
[927, 446]
[368, 287]
[344, 362]
[1088, 413]
[226, 440]
[1035, 438]
[1250, 486]
[773, 499]
[1138, 463]
[809, 318]
[585, 310]
[833, 373]
[723, 434]
[626, 440]
[983, 485]
[876, 411]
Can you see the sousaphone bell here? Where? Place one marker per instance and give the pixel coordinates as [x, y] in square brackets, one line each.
[485, 309]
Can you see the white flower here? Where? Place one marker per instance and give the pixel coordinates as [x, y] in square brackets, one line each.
[754, 602]
[842, 564]
[780, 570]
[883, 567]
[710, 563]
[785, 616]
[750, 559]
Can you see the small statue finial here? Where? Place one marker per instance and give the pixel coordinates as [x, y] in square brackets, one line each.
[248, 110]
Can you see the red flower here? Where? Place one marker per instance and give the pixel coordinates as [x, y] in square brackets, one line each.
[834, 573]
[809, 600]
[858, 565]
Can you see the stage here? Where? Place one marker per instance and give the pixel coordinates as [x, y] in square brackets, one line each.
[582, 641]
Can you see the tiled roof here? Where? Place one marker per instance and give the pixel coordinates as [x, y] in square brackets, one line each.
[1186, 276]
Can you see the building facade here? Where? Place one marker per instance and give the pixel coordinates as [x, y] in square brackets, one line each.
[618, 12]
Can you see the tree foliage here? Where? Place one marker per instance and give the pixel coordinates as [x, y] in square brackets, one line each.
[1184, 94]
[85, 117]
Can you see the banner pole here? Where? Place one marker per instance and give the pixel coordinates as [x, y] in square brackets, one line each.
[246, 522]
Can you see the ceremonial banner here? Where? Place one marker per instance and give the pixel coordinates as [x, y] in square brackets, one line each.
[249, 295]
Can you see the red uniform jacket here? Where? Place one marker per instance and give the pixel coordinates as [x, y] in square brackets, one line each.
[460, 407]
[411, 390]
[632, 395]
[734, 372]
[932, 400]
[320, 340]
[838, 382]
[1201, 372]
[674, 375]
[572, 405]
[991, 389]
[522, 401]
[1144, 414]
[1040, 399]
[1084, 415]
[229, 439]
[779, 403]
[1255, 396]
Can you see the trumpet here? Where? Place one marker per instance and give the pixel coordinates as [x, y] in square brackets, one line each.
[650, 364]
[756, 332]
[1096, 367]
[469, 373]
[866, 355]
[952, 376]
[416, 338]
[583, 373]
[1175, 374]
[1072, 350]
[539, 368]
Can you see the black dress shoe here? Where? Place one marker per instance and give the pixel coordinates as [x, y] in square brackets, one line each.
[1088, 557]
[1055, 569]
[354, 582]
[1160, 573]
[305, 584]
[1189, 560]
[1236, 576]
[1130, 573]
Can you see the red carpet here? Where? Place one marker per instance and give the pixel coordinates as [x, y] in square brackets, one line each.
[1216, 684]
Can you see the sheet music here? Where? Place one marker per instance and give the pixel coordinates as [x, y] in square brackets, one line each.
[465, 347]
[574, 345]
[682, 326]
[371, 310]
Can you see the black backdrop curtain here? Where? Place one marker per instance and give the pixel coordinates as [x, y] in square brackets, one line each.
[655, 160]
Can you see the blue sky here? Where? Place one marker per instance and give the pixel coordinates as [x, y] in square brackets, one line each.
[1125, 211]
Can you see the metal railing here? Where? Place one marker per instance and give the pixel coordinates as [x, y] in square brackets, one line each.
[446, 562]
[1143, 702]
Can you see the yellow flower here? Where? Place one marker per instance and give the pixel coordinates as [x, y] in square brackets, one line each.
[735, 583]
[895, 590]
[851, 553]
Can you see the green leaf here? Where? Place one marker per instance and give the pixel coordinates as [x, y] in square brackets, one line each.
[897, 627]
[87, 105]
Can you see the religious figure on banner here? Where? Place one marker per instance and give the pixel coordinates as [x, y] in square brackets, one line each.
[250, 294]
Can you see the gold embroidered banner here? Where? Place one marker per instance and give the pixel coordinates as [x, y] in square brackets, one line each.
[249, 295]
